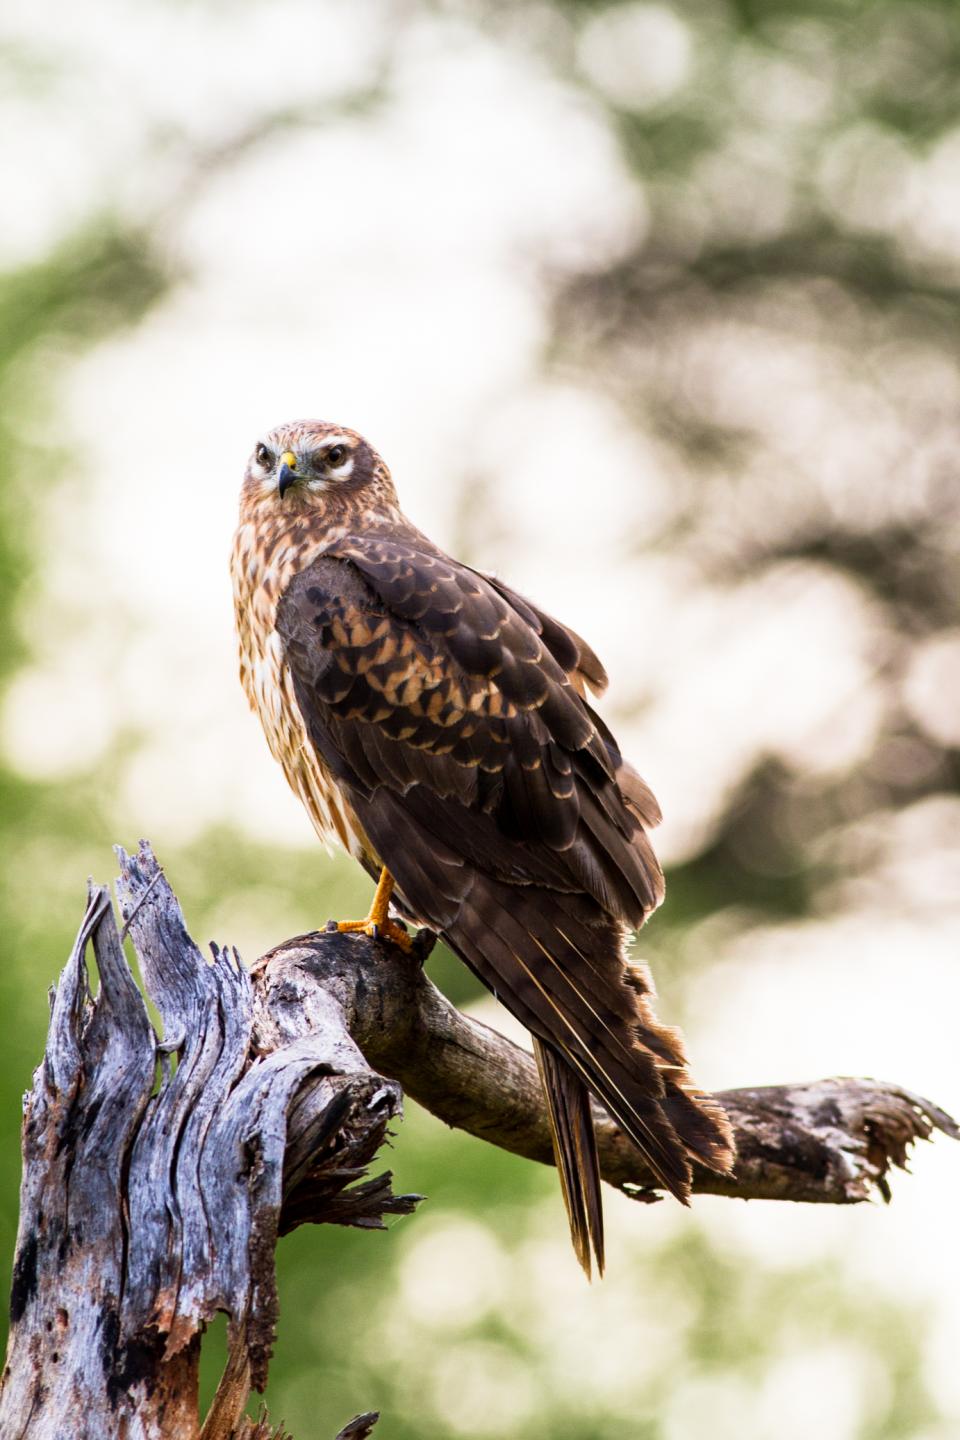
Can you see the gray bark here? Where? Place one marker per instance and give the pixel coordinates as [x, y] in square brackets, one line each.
[158, 1176]
[151, 1201]
[828, 1141]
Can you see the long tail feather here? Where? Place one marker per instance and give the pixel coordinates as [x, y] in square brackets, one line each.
[575, 1151]
[635, 1067]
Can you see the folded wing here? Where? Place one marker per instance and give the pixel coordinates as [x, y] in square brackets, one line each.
[452, 713]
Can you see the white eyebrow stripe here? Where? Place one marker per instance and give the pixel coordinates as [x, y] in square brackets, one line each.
[329, 440]
[342, 472]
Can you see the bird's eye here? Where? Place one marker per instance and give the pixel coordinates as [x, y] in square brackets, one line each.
[264, 457]
[336, 455]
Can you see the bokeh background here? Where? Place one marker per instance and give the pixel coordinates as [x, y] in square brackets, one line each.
[655, 309]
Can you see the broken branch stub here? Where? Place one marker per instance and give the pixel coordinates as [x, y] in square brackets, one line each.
[148, 1205]
[158, 1176]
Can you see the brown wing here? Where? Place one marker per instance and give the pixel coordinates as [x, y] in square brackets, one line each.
[569, 649]
[427, 676]
[502, 808]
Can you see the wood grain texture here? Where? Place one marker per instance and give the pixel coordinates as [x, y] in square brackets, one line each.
[158, 1174]
[830, 1141]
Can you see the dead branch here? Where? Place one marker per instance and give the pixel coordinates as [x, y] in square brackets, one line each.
[829, 1141]
[158, 1175]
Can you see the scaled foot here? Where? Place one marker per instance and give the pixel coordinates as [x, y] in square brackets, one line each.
[388, 930]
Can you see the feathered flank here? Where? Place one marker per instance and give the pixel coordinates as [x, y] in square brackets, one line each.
[437, 721]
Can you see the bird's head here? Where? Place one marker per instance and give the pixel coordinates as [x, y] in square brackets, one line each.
[313, 466]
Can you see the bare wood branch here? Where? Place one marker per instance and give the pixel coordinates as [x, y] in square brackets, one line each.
[150, 1202]
[830, 1141]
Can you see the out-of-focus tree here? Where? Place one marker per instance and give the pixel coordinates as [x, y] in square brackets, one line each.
[785, 331]
[778, 333]
[93, 283]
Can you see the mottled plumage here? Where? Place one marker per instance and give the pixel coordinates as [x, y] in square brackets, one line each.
[436, 723]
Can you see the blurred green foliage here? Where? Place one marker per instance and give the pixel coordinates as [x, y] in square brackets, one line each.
[93, 283]
[772, 170]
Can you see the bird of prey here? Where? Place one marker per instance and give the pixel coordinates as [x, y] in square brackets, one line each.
[436, 723]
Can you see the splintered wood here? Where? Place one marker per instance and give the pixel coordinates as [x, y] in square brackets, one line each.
[158, 1174]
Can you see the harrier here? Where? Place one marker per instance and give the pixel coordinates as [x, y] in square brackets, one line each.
[436, 723]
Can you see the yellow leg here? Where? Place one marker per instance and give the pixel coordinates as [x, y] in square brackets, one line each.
[377, 924]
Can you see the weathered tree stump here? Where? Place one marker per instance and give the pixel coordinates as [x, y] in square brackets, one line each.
[151, 1203]
[158, 1175]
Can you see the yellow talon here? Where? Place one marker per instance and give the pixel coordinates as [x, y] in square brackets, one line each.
[377, 925]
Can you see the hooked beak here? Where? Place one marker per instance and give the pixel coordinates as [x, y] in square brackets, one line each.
[288, 472]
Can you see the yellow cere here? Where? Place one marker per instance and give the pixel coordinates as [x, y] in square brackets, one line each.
[288, 458]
